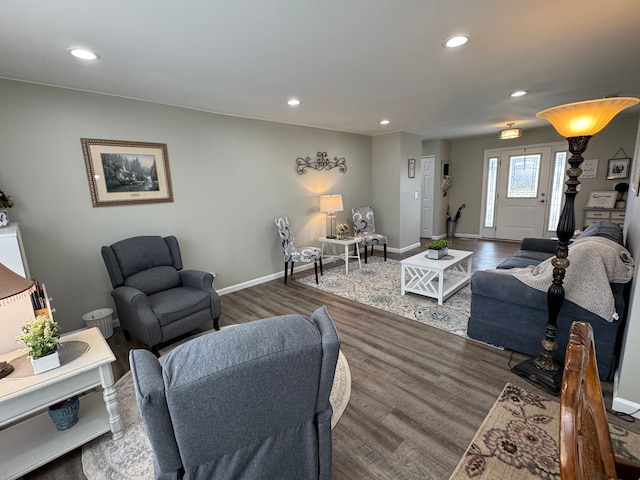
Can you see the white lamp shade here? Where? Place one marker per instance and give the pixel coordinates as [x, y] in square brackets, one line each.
[585, 118]
[331, 203]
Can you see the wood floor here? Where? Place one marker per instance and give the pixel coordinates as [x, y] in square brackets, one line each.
[418, 394]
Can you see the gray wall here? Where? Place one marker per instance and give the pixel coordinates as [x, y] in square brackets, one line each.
[394, 201]
[628, 381]
[231, 176]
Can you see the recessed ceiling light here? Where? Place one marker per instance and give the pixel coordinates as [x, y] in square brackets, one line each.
[384, 122]
[83, 54]
[456, 41]
[293, 102]
[519, 93]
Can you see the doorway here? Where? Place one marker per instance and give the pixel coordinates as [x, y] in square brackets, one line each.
[427, 203]
[517, 189]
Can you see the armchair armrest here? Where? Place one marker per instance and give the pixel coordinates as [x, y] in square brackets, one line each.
[135, 314]
[202, 281]
[197, 279]
[152, 402]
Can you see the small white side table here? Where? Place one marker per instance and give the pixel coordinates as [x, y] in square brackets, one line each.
[27, 435]
[346, 242]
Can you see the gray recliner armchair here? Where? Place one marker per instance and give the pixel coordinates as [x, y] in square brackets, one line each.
[250, 402]
[156, 300]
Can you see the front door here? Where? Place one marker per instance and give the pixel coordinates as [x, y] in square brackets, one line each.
[522, 193]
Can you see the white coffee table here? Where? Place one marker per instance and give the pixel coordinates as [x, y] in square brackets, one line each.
[27, 435]
[346, 242]
[436, 278]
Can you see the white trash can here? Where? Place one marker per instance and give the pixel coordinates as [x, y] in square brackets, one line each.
[100, 318]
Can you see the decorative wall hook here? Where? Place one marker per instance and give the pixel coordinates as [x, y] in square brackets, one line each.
[322, 162]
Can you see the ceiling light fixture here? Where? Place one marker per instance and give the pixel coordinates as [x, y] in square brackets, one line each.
[456, 41]
[510, 132]
[293, 102]
[83, 54]
[519, 93]
[384, 122]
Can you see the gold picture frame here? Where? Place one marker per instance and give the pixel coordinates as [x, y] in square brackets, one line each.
[126, 173]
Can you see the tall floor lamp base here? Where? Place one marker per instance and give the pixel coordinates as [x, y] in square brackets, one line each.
[551, 381]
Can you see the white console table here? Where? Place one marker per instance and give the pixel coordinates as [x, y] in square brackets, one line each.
[28, 438]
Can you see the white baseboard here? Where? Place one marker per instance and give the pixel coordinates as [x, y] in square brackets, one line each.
[623, 405]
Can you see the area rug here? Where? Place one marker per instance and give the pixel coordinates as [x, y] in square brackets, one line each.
[131, 457]
[377, 284]
[518, 440]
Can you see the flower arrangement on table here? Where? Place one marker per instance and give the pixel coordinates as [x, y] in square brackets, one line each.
[5, 200]
[342, 229]
[41, 336]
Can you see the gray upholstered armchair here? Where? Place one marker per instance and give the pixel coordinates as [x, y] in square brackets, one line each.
[155, 299]
[250, 402]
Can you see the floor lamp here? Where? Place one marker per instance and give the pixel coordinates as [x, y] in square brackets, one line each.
[578, 122]
[330, 204]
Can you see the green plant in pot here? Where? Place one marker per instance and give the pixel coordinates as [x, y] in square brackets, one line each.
[437, 248]
[41, 336]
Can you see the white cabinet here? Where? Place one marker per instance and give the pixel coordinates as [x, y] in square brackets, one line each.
[11, 250]
[593, 215]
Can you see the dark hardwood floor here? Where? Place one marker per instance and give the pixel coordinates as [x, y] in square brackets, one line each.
[418, 394]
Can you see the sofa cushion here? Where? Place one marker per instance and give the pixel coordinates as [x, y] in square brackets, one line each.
[524, 258]
[605, 229]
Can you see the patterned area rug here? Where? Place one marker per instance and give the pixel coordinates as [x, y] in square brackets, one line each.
[377, 284]
[131, 457]
[518, 440]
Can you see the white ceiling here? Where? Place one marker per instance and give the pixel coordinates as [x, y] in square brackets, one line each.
[351, 62]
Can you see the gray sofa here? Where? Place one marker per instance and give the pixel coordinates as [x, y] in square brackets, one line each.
[249, 402]
[508, 313]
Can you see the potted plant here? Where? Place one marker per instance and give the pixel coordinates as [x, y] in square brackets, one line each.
[437, 249]
[41, 336]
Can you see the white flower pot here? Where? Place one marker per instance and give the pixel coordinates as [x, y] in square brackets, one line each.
[437, 254]
[46, 363]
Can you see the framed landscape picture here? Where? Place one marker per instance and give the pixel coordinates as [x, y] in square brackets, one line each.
[125, 173]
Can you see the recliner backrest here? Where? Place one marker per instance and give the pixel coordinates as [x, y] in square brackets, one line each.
[147, 263]
[249, 401]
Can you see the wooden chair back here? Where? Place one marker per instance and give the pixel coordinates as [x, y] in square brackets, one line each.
[586, 451]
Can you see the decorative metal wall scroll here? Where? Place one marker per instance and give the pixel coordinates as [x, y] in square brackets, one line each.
[322, 162]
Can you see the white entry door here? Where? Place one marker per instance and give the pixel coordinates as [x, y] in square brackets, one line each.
[426, 206]
[523, 193]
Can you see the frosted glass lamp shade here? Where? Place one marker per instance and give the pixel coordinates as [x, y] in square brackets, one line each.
[586, 118]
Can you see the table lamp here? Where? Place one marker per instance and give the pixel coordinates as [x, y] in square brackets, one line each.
[578, 122]
[330, 204]
[15, 308]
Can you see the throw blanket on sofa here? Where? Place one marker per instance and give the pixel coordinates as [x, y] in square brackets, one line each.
[594, 263]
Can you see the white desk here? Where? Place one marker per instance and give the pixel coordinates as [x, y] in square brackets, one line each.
[28, 437]
[346, 242]
[436, 278]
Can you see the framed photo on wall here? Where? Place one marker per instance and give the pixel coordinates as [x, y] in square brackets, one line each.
[618, 168]
[412, 168]
[126, 173]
